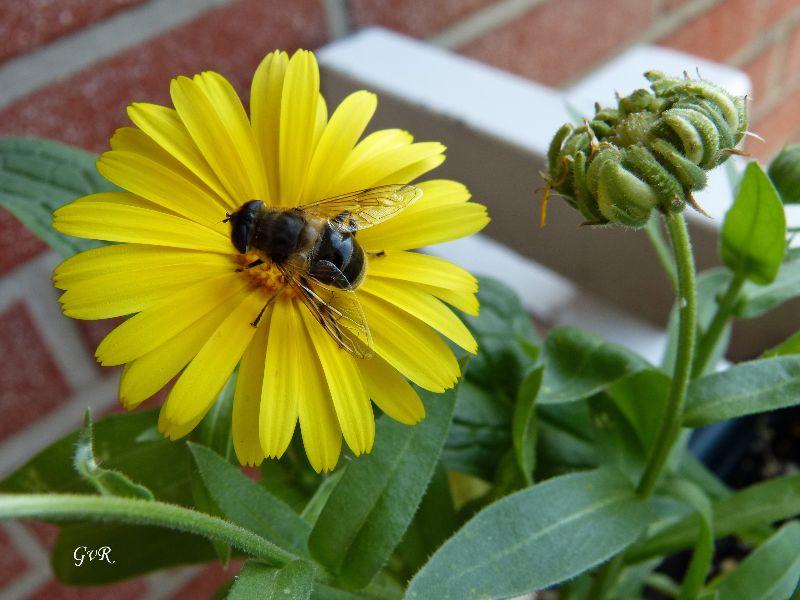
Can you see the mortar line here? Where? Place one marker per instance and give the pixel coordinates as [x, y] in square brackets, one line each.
[481, 22]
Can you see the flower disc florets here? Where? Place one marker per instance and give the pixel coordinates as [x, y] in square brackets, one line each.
[650, 152]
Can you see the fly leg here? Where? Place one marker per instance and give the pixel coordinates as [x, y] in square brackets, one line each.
[255, 263]
[272, 299]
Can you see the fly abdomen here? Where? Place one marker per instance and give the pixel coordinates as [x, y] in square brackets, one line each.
[340, 249]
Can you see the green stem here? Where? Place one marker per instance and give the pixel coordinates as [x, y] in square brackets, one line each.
[653, 229]
[709, 340]
[670, 427]
[140, 512]
[687, 302]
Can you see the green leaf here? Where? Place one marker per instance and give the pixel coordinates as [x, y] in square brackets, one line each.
[704, 546]
[771, 572]
[214, 432]
[128, 443]
[506, 339]
[755, 506]
[642, 398]
[480, 432]
[434, 522]
[215, 429]
[784, 171]
[37, 176]
[243, 502]
[747, 388]
[535, 538]
[760, 299]
[135, 550]
[523, 425]
[579, 364]
[376, 498]
[317, 502]
[787, 347]
[754, 231]
[258, 581]
[107, 482]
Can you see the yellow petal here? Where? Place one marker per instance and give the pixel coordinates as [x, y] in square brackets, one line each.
[463, 301]
[121, 217]
[299, 112]
[150, 328]
[164, 127]
[426, 227]
[147, 374]
[114, 294]
[322, 437]
[156, 182]
[439, 192]
[384, 164]
[375, 144]
[126, 259]
[413, 171]
[265, 114]
[319, 124]
[340, 136]
[421, 268]
[350, 397]
[201, 382]
[283, 380]
[391, 392]
[231, 113]
[410, 346]
[213, 137]
[424, 307]
[172, 429]
[247, 399]
[130, 139]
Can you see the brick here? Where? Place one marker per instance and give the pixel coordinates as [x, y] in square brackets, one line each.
[418, 18]
[793, 57]
[718, 33]
[778, 127]
[556, 41]
[776, 11]
[17, 244]
[46, 533]
[86, 108]
[30, 382]
[208, 581]
[12, 565]
[26, 25]
[128, 590]
[762, 71]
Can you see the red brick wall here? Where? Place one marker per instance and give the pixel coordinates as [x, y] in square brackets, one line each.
[47, 372]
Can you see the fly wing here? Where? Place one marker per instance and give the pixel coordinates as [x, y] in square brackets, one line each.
[365, 208]
[337, 309]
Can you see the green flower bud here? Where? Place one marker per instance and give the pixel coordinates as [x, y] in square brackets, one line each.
[650, 152]
[784, 171]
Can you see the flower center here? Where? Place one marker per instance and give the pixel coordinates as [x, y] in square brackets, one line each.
[266, 275]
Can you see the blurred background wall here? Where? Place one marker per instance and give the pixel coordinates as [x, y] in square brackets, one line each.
[68, 68]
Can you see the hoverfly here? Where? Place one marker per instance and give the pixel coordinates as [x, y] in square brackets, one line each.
[315, 249]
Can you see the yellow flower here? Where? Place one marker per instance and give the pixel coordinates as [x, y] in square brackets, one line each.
[175, 269]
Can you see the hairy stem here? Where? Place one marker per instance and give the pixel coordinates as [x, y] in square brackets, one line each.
[140, 512]
[653, 229]
[687, 306]
[708, 341]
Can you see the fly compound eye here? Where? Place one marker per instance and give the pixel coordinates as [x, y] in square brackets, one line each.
[242, 222]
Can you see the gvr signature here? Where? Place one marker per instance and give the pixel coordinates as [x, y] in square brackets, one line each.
[82, 553]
